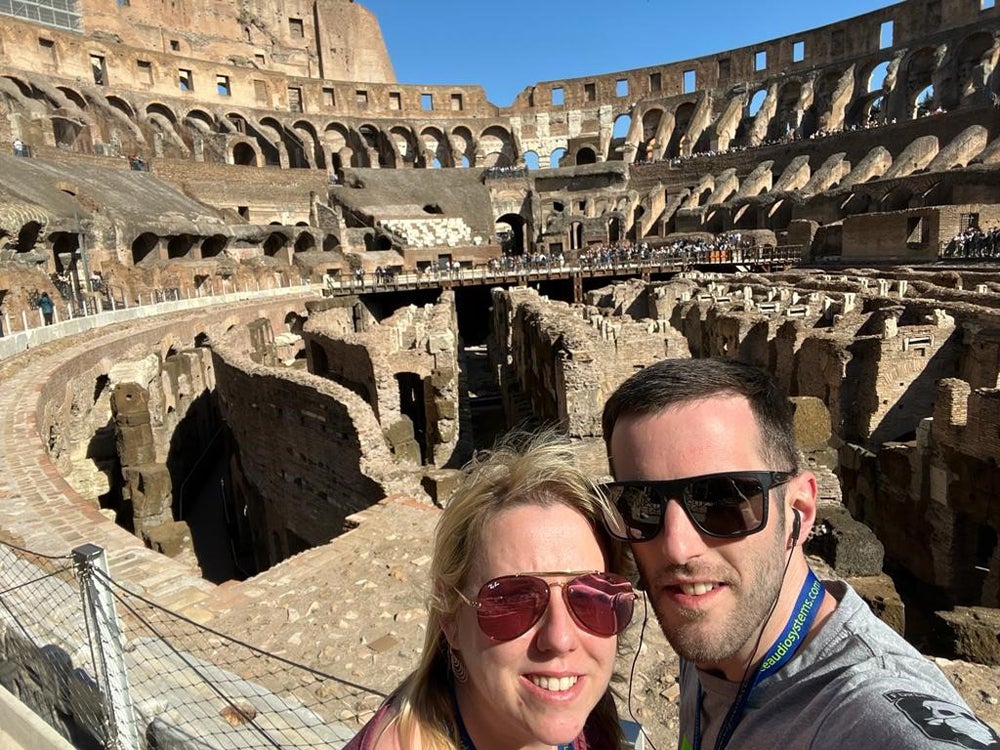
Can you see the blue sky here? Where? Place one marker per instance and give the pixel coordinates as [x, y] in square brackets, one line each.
[512, 44]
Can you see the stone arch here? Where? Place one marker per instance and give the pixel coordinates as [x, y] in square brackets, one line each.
[823, 93]
[145, 248]
[463, 145]
[897, 199]
[271, 133]
[435, 146]
[919, 67]
[972, 66]
[779, 215]
[556, 157]
[28, 236]
[158, 108]
[651, 121]
[214, 246]
[180, 246]
[305, 242]
[406, 144]
[855, 203]
[512, 242]
[200, 120]
[116, 102]
[274, 243]
[331, 242]
[530, 159]
[787, 118]
[678, 139]
[875, 77]
[496, 146]
[245, 154]
[308, 138]
[66, 131]
[585, 155]
[74, 96]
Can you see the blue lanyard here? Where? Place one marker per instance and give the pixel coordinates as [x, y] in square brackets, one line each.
[777, 656]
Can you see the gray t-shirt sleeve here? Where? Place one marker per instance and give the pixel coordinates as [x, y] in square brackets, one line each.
[893, 714]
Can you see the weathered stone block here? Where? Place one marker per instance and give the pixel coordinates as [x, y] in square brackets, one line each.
[972, 632]
[171, 539]
[880, 594]
[850, 547]
[440, 484]
[812, 423]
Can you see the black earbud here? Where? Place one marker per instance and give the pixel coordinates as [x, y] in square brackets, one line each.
[796, 526]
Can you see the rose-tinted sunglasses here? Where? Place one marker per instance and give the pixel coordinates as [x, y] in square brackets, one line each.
[724, 505]
[507, 607]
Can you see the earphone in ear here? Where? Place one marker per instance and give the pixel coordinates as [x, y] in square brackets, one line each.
[796, 526]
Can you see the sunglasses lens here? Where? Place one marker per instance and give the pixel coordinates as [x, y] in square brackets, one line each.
[509, 606]
[641, 509]
[601, 602]
[726, 506]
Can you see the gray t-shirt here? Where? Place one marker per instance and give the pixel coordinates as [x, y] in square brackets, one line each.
[856, 685]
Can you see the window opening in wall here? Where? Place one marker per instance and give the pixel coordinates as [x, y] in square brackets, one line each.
[621, 87]
[244, 212]
[885, 35]
[590, 92]
[294, 99]
[916, 232]
[798, 51]
[427, 102]
[395, 101]
[295, 28]
[877, 78]
[723, 69]
[757, 102]
[222, 85]
[987, 4]
[655, 81]
[260, 91]
[47, 47]
[97, 67]
[760, 60]
[246, 34]
[330, 98]
[457, 105]
[145, 68]
[258, 58]
[968, 221]
[361, 98]
[530, 160]
[185, 79]
[175, 45]
[690, 81]
[557, 96]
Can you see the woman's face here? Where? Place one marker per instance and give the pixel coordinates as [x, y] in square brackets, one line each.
[538, 689]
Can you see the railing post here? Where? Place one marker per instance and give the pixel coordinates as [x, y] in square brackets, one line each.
[99, 605]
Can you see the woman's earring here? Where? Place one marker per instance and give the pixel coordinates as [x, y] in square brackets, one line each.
[457, 666]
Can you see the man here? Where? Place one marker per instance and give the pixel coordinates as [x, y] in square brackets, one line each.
[710, 494]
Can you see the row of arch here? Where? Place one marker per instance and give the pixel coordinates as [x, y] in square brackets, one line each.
[903, 87]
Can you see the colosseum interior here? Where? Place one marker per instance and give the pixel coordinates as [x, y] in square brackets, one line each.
[279, 272]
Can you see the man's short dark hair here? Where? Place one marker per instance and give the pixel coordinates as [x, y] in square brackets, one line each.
[675, 381]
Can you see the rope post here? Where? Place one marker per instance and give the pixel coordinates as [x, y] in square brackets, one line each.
[106, 635]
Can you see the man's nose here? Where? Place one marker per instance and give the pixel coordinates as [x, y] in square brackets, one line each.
[680, 539]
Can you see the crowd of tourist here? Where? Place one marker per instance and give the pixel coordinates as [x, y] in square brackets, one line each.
[974, 243]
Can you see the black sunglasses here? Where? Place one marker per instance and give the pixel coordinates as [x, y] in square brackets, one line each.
[724, 505]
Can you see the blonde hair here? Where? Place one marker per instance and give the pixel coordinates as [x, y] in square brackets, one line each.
[527, 468]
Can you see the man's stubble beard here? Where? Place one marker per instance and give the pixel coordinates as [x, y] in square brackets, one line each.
[752, 599]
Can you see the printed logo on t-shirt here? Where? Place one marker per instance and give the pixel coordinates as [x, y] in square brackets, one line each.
[944, 721]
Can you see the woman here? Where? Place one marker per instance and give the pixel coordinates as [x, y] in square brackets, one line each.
[527, 603]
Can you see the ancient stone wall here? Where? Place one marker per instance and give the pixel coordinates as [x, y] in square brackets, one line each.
[305, 452]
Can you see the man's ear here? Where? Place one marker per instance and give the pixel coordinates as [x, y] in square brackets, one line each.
[801, 500]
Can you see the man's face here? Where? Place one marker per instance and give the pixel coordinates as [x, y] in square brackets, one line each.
[710, 595]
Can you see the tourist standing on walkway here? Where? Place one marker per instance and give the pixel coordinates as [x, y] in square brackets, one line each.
[47, 306]
[711, 496]
[527, 602]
